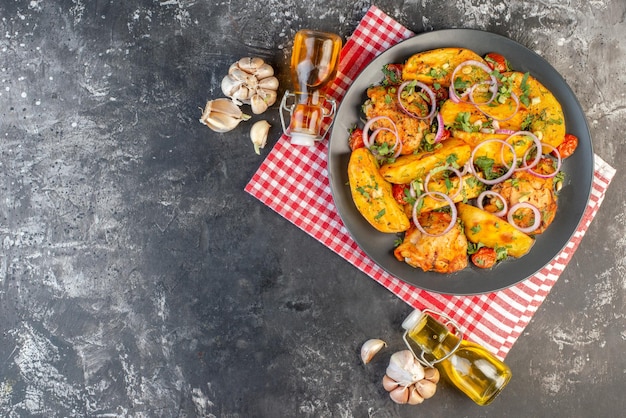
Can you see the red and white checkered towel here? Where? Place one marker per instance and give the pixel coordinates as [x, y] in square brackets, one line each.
[293, 181]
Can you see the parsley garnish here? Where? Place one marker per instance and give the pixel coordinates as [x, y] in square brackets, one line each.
[525, 97]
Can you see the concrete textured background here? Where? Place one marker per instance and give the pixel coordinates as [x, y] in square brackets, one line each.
[138, 279]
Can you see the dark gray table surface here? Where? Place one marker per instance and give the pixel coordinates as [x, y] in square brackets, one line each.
[138, 279]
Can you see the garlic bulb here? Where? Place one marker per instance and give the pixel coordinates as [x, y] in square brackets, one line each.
[407, 381]
[222, 115]
[250, 80]
[258, 135]
[370, 348]
[404, 369]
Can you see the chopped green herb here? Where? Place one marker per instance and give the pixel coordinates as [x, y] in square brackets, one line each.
[525, 87]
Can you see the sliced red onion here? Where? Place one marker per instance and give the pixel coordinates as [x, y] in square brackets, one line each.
[454, 96]
[493, 88]
[537, 143]
[504, 131]
[520, 205]
[505, 175]
[559, 161]
[366, 129]
[412, 190]
[453, 213]
[481, 197]
[431, 96]
[446, 167]
[440, 128]
[466, 168]
[368, 139]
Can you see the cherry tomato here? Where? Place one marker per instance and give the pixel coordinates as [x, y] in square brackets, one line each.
[568, 146]
[356, 139]
[484, 258]
[497, 62]
[399, 193]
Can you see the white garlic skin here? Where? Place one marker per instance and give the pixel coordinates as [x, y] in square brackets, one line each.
[258, 134]
[404, 368]
[370, 348]
[222, 115]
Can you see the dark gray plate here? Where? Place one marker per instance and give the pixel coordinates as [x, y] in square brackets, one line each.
[573, 197]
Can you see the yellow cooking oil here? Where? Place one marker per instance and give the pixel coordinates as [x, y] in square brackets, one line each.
[468, 366]
[314, 60]
[314, 65]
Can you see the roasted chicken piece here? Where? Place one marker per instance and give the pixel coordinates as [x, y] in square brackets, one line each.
[443, 254]
[524, 186]
[383, 101]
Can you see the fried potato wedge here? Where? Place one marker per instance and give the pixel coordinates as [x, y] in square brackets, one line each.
[450, 111]
[407, 168]
[543, 114]
[483, 227]
[436, 65]
[494, 150]
[372, 194]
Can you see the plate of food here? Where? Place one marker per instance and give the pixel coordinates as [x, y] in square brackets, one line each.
[460, 161]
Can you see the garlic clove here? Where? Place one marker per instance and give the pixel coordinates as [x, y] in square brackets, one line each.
[222, 115]
[400, 395]
[242, 94]
[258, 135]
[389, 384]
[238, 74]
[269, 83]
[404, 368]
[264, 71]
[370, 348]
[415, 397]
[230, 85]
[258, 104]
[426, 388]
[432, 374]
[250, 64]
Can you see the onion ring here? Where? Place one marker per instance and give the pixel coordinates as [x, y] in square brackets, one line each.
[368, 139]
[505, 175]
[454, 96]
[439, 134]
[537, 143]
[453, 213]
[481, 197]
[520, 205]
[429, 92]
[446, 167]
[559, 161]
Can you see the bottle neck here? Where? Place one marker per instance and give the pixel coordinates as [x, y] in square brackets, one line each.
[433, 338]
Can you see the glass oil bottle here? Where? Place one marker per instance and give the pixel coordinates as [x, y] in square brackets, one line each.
[468, 366]
[314, 63]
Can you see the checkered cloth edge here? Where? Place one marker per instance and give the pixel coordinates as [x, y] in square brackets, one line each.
[293, 181]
